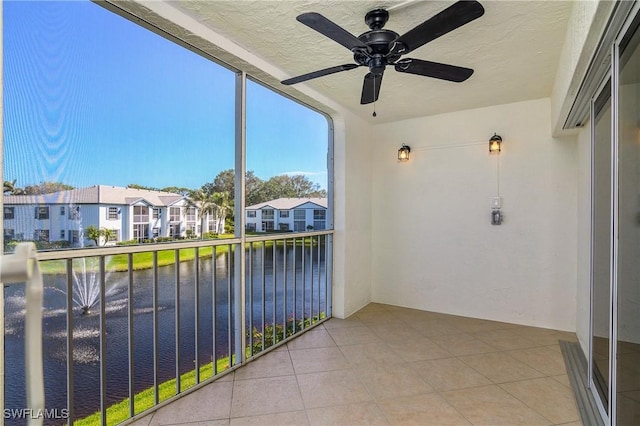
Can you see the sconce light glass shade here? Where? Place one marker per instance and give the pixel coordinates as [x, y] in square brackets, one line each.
[495, 144]
[403, 153]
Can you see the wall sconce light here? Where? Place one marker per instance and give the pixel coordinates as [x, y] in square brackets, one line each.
[403, 153]
[495, 143]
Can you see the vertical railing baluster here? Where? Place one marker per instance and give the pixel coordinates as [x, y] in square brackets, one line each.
[130, 335]
[229, 305]
[156, 384]
[177, 317]
[284, 289]
[326, 276]
[311, 280]
[275, 291]
[215, 310]
[304, 282]
[196, 320]
[295, 285]
[319, 244]
[250, 281]
[103, 344]
[264, 303]
[70, 341]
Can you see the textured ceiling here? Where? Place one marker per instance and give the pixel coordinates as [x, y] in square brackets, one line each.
[513, 48]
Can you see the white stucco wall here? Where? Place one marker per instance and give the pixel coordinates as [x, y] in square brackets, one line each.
[353, 147]
[433, 245]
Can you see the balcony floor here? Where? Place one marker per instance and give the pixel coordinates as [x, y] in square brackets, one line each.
[391, 365]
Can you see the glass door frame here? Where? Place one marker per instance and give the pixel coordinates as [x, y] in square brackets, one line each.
[613, 76]
[605, 412]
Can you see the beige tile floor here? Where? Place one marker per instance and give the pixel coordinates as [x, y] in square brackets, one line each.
[388, 365]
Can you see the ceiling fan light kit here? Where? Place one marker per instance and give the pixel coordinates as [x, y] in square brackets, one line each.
[379, 47]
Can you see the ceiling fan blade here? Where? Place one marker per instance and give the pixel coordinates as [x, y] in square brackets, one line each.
[433, 69]
[371, 88]
[455, 16]
[319, 73]
[329, 29]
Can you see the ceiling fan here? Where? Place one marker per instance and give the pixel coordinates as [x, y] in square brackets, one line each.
[380, 47]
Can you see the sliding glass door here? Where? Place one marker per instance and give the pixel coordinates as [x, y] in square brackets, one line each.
[615, 251]
[627, 300]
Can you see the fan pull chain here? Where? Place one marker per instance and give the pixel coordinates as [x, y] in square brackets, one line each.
[374, 96]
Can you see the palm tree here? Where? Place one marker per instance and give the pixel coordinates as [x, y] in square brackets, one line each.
[206, 206]
[225, 207]
[108, 234]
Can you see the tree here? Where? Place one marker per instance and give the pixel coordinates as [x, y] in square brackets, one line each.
[92, 233]
[11, 188]
[146, 188]
[225, 182]
[177, 190]
[108, 234]
[296, 186]
[206, 206]
[225, 207]
[46, 188]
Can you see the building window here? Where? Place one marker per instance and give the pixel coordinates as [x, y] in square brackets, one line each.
[251, 213]
[284, 226]
[174, 214]
[267, 225]
[267, 214]
[284, 213]
[115, 235]
[9, 212]
[191, 214]
[155, 213]
[9, 234]
[42, 213]
[174, 230]
[319, 219]
[74, 237]
[112, 213]
[140, 214]
[41, 235]
[62, 234]
[62, 211]
[299, 220]
[74, 213]
[155, 231]
[141, 231]
[251, 227]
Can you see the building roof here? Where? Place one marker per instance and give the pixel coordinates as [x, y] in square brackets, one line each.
[98, 194]
[288, 203]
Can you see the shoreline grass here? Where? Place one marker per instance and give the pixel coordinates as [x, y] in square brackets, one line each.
[119, 412]
[166, 257]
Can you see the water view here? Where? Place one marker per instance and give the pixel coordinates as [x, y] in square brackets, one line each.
[299, 286]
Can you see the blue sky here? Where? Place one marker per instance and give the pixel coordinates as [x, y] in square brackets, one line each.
[91, 98]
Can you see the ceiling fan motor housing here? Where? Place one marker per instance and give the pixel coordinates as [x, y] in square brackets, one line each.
[376, 57]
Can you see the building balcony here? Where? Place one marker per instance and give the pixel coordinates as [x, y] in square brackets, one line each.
[130, 328]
